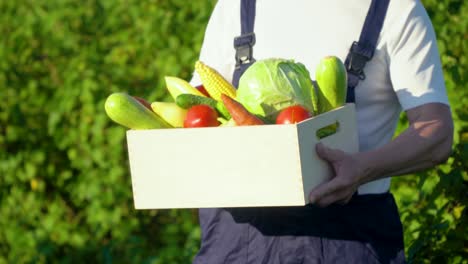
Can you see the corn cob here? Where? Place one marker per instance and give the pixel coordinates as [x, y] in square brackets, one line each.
[214, 83]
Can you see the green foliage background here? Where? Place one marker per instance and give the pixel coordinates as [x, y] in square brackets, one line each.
[65, 193]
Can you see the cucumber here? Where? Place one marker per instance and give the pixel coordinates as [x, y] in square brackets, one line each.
[331, 78]
[127, 111]
[188, 100]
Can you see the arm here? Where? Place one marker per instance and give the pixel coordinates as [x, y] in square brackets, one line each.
[424, 144]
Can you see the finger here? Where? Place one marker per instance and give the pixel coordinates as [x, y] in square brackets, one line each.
[325, 189]
[327, 153]
[346, 200]
[337, 197]
[341, 196]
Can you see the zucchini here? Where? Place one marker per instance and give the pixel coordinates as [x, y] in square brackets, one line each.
[177, 86]
[188, 100]
[127, 111]
[331, 78]
[170, 112]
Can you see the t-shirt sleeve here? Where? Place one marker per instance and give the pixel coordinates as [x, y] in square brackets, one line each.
[415, 67]
[217, 49]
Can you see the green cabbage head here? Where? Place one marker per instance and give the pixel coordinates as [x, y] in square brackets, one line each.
[270, 85]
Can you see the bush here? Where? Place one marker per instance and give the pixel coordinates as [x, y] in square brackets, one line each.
[66, 192]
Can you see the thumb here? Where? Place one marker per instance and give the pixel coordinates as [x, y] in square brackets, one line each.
[327, 153]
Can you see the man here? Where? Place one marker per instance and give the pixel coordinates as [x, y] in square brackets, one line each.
[352, 218]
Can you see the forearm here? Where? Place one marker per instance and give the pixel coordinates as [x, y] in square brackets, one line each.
[424, 144]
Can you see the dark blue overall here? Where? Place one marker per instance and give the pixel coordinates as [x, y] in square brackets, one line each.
[366, 230]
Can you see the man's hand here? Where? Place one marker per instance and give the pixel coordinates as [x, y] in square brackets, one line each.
[345, 181]
[426, 143]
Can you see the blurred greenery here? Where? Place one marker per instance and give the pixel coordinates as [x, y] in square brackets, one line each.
[65, 192]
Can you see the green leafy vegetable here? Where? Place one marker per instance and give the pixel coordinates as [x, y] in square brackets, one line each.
[271, 85]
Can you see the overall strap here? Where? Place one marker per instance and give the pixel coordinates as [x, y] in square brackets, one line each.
[245, 42]
[362, 51]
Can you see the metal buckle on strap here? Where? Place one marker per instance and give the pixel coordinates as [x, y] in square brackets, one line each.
[244, 48]
[356, 60]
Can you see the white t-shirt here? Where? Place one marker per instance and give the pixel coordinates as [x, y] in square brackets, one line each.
[405, 71]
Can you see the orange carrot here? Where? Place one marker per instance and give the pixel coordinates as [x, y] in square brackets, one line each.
[239, 113]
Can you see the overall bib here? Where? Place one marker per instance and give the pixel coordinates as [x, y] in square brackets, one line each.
[366, 230]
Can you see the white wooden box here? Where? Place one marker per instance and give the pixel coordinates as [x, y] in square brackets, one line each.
[269, 165]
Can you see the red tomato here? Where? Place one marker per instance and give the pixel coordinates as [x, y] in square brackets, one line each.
[202, 89]
[201, 116]
[143, 102]
[293, 114]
